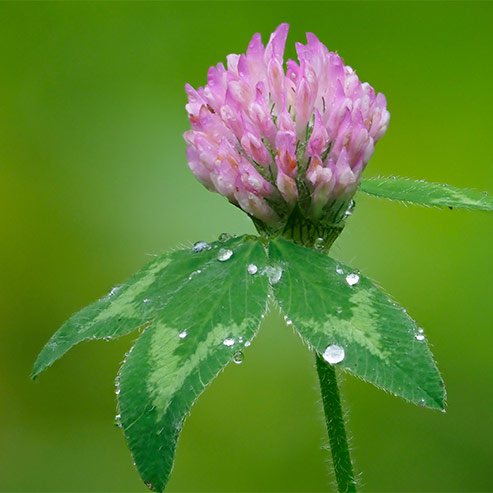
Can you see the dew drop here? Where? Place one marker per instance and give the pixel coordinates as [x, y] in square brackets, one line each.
[319, 244]
[200, 246]
[114, 290]
[420, 330]
[229, 341]
[247, 344]
[419, 337]
[146, 300]
[224, 237]
[224, 254]
[149, 485]
[118, 420]
[274, 273]
[252, 269]
[352, 279]
[183, 334]
[350, 208]
[240, 340]
[333, 354]
[238, 358]
[339, 271]
[194, 273]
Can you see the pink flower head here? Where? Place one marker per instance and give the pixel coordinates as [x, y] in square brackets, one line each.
[272, 136]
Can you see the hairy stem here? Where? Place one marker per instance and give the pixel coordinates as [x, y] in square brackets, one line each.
[334, 419]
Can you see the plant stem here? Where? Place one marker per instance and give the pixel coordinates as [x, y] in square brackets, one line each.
[335, 426]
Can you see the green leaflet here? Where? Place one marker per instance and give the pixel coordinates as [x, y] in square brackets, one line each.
[421, 192]
[130, 306]
[381, 343]
[208, 319]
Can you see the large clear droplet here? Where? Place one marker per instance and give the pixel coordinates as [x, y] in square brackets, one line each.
[238, 358]
[352, 279]
[419, 337]
[200, 246]
[333, 354]
[224, 254]
[252, 269]
[229, 341]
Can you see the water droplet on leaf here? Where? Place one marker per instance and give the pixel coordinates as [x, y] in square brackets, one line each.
[114, 290]
[252, 269]
[224, 254]
[419, 337]
[333, 354]
[224, 237]
[274, 273]
[194, 273]
[229, 341]
[339, 271]
[352, 279]
[247, 344]
[238, 358]
[200, 246]
[183, 334]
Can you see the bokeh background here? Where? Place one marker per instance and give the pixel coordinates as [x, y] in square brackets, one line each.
[93, 178]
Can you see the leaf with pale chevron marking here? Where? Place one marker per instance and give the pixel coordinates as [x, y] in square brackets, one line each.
[344, 316]
[424, 193]
[206, 322]
[132, 305]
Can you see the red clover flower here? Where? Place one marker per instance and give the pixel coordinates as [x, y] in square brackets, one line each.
[270, 137]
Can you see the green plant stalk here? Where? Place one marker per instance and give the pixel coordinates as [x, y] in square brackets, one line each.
[334, 420]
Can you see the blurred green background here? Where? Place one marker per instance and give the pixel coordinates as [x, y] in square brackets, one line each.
[93, 178]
